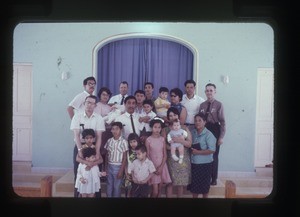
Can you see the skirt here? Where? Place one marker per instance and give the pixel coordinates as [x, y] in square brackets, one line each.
[201, 177]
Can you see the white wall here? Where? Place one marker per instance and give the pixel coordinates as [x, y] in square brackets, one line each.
[233, 49]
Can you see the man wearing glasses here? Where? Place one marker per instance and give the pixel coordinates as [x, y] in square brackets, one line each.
[87, 119]
[76, 104]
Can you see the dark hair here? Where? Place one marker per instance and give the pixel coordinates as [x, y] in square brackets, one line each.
[163, 89]
[118, 124]
[142, 148]
[174, 110]
[150, 83]
[88, 132]
[123, 82]
[92, 97]
[148, 102]
[129, 97]
[177, 92]
[104, 89]
[201, 115]
[156, 120]
[139, 91]
[88, 152]
[211, 84]
[133, 136]
[85, 81]
[190, 82]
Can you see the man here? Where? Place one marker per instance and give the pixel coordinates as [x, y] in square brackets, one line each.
[130, 119]
[149, 88]
[215, 122]
[76, 105]
[140, 97]
[119, 98]
[191, 102]
[86, 120]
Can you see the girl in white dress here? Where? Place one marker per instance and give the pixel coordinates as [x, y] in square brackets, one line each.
[88, 181]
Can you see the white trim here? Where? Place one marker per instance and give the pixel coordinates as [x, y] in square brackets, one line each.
[107, 40]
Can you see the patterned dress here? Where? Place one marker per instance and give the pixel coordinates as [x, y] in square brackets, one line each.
[155, 152]
[180, 173]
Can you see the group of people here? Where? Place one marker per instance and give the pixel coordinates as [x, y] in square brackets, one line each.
[141, 143]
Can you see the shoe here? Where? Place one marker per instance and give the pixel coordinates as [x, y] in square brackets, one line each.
[180, 161]
[213, 183]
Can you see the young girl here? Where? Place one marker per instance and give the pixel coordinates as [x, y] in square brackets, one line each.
[89, 136]
[157, 153]
[88, 181]
[175, 132]
[116, 148]
[133, 141]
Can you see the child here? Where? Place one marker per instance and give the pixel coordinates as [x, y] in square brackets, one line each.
[112, 115]
[89, 136]
[116, 148]
[156, 148]
[134, 141]
[88, 181]
[141, 170]
[144, 118]
[161, 103]
[175, 132]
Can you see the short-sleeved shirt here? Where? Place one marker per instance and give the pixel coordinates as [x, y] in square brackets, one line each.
[81, 121]
[116, 99]
[115, 149]
[147, 125]
[140, 169]
[78, 102]
[207, 141]
[192, 107]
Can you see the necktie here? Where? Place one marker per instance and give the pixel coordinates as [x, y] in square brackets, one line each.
[132, 124]
[207, 110]
[122, 101]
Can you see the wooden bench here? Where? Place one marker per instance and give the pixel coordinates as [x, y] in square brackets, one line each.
[230, 192]
[43, 190]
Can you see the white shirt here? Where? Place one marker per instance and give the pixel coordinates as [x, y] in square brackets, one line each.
[141, 170]
[78, 102]
[192, 107]
[117, 99]
[127, 127]
[94, 122]
[147, 125]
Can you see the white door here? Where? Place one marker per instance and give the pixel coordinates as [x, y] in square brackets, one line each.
[264, 117]
[22, 112]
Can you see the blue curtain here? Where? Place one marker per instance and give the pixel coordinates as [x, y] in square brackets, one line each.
[138, 60]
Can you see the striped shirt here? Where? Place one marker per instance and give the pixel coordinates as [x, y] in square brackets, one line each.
[115, 149]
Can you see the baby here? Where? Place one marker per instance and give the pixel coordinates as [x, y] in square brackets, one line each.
[176, 131]
[161, 103]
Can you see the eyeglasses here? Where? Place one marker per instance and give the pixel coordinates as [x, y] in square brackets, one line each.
[91, 83]
[173, 95]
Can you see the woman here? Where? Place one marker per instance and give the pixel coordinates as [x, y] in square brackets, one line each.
[203, 147]
[176, 98]
[180, 173]
[103, 109]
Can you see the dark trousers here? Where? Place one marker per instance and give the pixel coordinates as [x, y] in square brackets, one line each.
[215, 164]
[215, 129]
[76, 164]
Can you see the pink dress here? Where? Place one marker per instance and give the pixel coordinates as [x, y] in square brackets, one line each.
[155, 153]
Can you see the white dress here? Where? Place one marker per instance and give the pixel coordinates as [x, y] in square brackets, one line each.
[92, 178]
